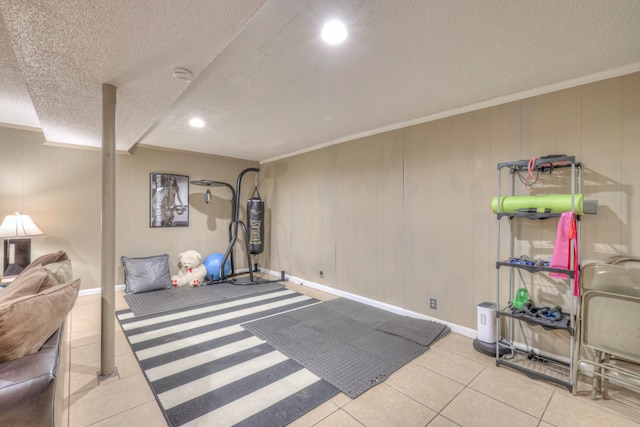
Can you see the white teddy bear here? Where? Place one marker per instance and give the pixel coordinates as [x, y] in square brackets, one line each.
[192, 272]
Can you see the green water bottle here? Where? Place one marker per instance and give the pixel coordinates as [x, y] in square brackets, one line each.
[522, 296]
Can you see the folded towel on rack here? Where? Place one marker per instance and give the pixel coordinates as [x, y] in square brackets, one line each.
[565, 248]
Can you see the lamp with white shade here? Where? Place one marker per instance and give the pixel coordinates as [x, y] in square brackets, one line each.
[17, 230]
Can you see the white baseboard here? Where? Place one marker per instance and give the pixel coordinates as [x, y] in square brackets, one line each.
[462, 330]
[96, 291]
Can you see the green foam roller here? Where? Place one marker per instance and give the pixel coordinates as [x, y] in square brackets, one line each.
[556, 202]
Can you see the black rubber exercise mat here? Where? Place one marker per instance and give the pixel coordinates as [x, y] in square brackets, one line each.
[341, 341]
[174, 298]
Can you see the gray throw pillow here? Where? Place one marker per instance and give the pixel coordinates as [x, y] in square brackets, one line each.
[146, 274]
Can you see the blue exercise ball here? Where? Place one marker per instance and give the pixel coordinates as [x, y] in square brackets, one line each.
[213, 262]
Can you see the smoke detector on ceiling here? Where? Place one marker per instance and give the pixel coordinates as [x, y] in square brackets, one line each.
[181, 73]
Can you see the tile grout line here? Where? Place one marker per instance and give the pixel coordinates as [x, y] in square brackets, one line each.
[547, 407]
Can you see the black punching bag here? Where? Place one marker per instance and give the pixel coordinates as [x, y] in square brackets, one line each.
[255, 212]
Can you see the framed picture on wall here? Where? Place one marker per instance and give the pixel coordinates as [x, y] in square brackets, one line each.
[169, 200]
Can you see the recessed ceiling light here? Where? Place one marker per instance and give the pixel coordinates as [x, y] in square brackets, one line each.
[334, 32]
[196, 122]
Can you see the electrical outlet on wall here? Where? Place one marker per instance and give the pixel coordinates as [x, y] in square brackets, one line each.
[433, 303]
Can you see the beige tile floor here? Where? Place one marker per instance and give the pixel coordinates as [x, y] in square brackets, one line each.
[449, 385]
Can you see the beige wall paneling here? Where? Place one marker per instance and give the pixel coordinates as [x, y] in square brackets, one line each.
[528, 232]
[12, 168]
[569, 141]
[357, 254]
[511, 149]
[602, 151]
[630, 171]
[312, 216]
[14, 165]
[389, 191]
[286, 219]
[125, 228]
[278, 210]
[496, 147]
[549, 143]
[283, 220]
[435, 212]
[442, 164]
[80, 195]
[569, 125]
[543, 247]
[289, 224]
[547, 291]
[364, 212]
[569, 122]
[463, 152]
[419, 212]
[369, 220]
[297, 225]
[350, 264]
[483, 188]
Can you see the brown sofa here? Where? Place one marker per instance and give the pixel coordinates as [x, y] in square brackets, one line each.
[33, 345]
[31, 389]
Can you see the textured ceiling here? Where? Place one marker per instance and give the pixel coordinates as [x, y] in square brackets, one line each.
[267, 86]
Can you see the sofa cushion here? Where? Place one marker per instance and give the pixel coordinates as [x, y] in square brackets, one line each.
[146, 274]
[29, 283]
[28, 321]
[61, 271]
[46, 259]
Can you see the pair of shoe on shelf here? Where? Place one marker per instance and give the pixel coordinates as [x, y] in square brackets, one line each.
[548, 313]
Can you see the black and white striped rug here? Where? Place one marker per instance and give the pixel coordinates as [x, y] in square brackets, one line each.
[206, 370]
